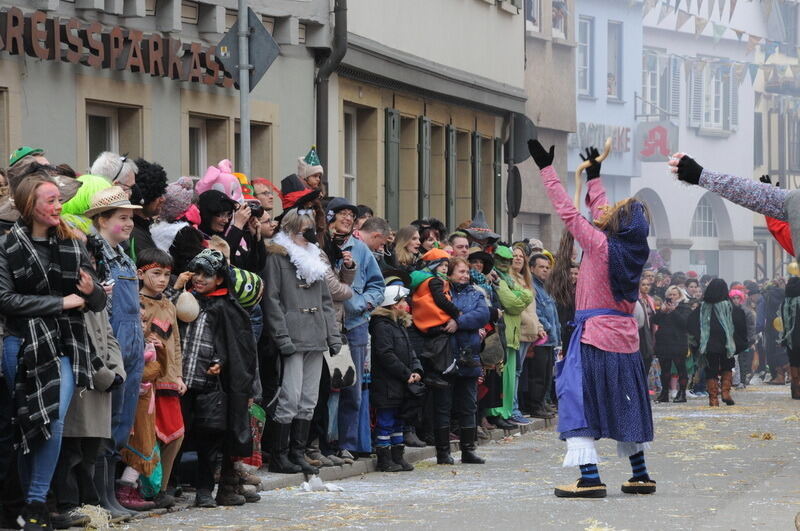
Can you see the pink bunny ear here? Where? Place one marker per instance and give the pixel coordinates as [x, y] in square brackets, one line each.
[226, 166]
[208, 180]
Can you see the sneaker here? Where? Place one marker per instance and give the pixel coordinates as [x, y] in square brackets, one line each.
[72, 518]
[163, 500]
[691, 394]
[519, 420]
[347, 457]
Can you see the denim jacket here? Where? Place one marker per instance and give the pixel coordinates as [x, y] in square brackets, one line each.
[547, 312]
[367, 285]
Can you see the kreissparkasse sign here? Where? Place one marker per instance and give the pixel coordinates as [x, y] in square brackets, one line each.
[91, 44]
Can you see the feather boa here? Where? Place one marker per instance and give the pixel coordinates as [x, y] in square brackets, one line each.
[307, 260]
[163, 233]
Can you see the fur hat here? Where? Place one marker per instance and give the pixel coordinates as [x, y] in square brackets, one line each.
[310, 164]
[177, 199]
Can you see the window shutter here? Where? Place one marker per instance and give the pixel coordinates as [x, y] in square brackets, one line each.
[392, 169]
[674, 96]
[450, 175]
[695, 98]
[424, 158]
[497, 171]
[733, 101]
[476, 173]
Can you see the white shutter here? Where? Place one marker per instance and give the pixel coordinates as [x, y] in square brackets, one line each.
[674, 87]
[734, 102]
[695, 102]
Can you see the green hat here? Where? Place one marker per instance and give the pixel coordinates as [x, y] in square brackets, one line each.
[23, 152]
[310, 164]
[246, 287]
[504, 252]
[312, 158]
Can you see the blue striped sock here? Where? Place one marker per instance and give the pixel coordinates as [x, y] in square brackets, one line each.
[590, 475]
[638, 466]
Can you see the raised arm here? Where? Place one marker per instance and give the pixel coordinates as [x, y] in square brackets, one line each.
[586, 234]
[595, 197]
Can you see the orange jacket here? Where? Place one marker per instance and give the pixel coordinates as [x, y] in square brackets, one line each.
[424, 311]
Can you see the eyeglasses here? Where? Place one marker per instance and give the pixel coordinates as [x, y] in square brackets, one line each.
[225, 215]
[346, 214]
[122, 160]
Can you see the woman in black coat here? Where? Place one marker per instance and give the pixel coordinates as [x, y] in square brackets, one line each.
[395, 367]
[672, 341]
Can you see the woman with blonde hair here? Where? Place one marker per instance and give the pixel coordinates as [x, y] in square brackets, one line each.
[672, 341]
[406, 248]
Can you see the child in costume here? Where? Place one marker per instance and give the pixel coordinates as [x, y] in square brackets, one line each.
[154, 268]
[601, 384]
[394, 367]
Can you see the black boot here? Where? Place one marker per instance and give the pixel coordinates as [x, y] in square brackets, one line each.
[111, 488]
[36, 516]
[278, 436]
[398, 451]
[100, 484]
[468, 454]
[664, 395]
[411, 439]
[443, 456]
[385, 463]
[297, 446]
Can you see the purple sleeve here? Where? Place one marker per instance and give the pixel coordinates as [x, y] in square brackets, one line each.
[759, 197]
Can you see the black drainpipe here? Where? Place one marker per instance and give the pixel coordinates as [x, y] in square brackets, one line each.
[328, 66]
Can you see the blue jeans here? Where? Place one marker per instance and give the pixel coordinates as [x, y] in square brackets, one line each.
[350, 397]
[11, 346]
[523, 350]
[388, 427]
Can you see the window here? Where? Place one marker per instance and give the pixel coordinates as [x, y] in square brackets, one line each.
[661, 85]
[585, 56]
[102, 126]
[713, 100]
[703, 223]
[197, 146]
[788, 14]
[350, 154]
[260, 150]
[651, 80]
[704, 262]
[559, 19]
[150, 7]
[614, 60]
[301, 34]
[189, 12]
[758, 140]
[533, 15]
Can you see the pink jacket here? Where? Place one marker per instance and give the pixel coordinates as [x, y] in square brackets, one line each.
[611, 333]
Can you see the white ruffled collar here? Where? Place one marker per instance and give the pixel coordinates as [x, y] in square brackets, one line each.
[306, 260]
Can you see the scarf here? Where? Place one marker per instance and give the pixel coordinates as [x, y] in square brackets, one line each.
[627, 253]
[479, 279]
[789, 316]
[724, 313]
[307, 260]
[46, 338]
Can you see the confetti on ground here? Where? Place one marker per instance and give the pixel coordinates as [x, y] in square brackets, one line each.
[766, 436]
[723, 447]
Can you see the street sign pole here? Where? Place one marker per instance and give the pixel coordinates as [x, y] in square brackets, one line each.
[244, 90]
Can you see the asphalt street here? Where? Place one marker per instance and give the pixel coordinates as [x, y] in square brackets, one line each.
[727, 468]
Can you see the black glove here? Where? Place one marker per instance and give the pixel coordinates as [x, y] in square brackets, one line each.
[118, 381]
[767, 180]
[689, 170]
[334, 350]
[541, 157]
[593, 171]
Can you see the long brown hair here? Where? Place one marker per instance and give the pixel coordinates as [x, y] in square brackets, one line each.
[25, 201]
[404, 258]
[558, 283]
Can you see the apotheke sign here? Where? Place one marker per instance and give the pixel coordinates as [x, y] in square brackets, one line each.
[115, 48]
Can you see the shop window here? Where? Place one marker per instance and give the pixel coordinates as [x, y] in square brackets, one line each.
[350, 154]
[560, 15]
[614, 52]
[189, 12]
[585, 56]
[198, 141]
[703, 223]
[260, 150]
[533, 15]
[102, 126]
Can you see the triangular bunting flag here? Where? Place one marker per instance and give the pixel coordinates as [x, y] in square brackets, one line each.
[699, 6]
[789, 72]
[758, 99]
[710, 8]
[677, 4]
[721, 8]
[739, 71]
[733, 7]
[753, 71]
[770, 48]
[666, 10]
[647, 6]
[752, 42]
[700, 24]
[719, 31]
[683, 17]
[739, 34]
[689, 6]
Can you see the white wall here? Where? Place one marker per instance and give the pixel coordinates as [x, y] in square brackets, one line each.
[470, 35]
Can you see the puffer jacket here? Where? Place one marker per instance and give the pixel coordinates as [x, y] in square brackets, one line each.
[393, 358]
[474, 316]
[300, 317]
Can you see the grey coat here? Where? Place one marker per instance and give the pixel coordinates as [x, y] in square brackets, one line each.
[300, 317]
[89, 412]
[339, 283]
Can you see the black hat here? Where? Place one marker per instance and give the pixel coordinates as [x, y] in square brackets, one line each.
[294, 192]
[479, 229]
[477, 253]
[393, 275]
[337, 204]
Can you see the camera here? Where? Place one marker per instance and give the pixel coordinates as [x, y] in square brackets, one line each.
[256, 209]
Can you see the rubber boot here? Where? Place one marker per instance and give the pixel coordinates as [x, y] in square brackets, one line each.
[111, 486]
[727, 382]
[712, 385]
[411, 439]
[278, 436]
[100, 478]
[681, 396]
[795, 372]
[468, 455]
[398, 456]
[385, 463]
[297, 446]
[442, 436]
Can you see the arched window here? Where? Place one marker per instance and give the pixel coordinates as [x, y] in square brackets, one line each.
[703, 222]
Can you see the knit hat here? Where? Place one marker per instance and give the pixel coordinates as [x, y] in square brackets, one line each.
[110, 199]
[394, 294]
[177, 199]
[208, 261]
[340, 203]
[310, 164]
[247, 287]
[434, 258]
[151, 182]
[23, 152]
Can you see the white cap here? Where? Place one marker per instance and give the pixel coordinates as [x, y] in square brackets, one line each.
[394, 294]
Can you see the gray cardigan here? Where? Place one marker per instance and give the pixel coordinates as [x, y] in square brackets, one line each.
[300, 317]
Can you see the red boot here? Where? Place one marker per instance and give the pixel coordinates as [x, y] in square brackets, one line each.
[129, 497]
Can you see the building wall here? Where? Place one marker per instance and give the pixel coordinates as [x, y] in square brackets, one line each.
[482, 38]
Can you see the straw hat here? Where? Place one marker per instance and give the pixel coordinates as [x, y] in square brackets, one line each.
[109, 199]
